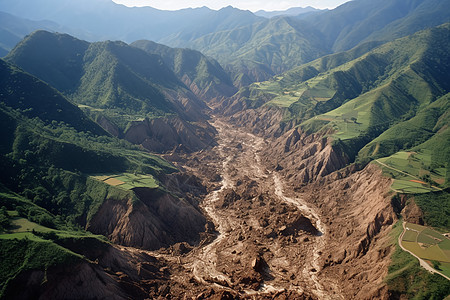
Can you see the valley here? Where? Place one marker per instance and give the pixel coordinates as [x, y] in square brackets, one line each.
[202, 154]
[266, 240]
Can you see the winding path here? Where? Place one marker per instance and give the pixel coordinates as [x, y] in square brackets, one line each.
[423, 263]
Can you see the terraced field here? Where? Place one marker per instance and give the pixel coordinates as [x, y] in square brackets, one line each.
[128, 181]
[412, 172]
[429, 245]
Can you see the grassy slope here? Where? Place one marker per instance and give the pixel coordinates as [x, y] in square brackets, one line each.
[49, 161]
[202, 70]
[27, 246]
[279, 43]
[406, 277]
[405, 89]
[111, 79]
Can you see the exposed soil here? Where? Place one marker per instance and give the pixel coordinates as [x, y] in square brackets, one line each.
[268, 234]
[272, 234]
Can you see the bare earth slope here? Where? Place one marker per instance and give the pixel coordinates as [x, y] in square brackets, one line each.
[275, 238]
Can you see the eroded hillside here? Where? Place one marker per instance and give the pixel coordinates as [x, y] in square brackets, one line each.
[308, 185]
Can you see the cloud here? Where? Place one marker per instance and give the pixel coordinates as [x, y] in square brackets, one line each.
[252, 5]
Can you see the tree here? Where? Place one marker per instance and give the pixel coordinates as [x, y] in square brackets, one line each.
[436, 264]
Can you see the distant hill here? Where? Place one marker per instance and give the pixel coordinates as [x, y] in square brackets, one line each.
[293, 11]
[105, 19]
[252, 47]
[115, 83]
[203, 75]
[360, 21]
[277, 45]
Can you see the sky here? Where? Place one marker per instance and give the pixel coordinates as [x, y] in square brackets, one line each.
[252, 5]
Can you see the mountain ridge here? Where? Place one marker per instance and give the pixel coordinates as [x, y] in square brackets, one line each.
[108, 78]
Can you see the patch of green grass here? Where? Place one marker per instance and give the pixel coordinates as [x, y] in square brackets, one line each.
[430, 244]
[410, 236]
[445, 268]
[24, 225]
[411, 172]
[415, 227]
[426, 239]
[429, 253]
[445, 244]
[406, 186]
[406, 277]
[434, 234]
[20, 236]
[131, 180]
[22, 252]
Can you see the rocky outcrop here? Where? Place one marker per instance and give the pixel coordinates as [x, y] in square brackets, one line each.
[358, 213]
[213, 92]
[153, 221]
[107, 273]
[170, 133]
[109, 126]
[305, 158]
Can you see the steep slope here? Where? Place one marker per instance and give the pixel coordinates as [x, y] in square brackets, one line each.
[36, 99]
[351, 101]
[109, 78]
[278, 44]
[360, 21]
[53, 153]
[204, 76]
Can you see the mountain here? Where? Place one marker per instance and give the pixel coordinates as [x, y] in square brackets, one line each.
[276, 45]
[105, 19]
[109, 78]
[356, 22]
[252, 47]
[203, 75]
[293, 11]
[57, 187]
[363, 98]
[13, 29]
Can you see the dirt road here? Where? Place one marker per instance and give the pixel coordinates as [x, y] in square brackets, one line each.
[423, 263]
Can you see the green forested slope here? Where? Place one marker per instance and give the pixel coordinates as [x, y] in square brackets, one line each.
[204, 75]
[376, 102]
[279, 44]
[357, 22]
[49, 147]
[116, 84]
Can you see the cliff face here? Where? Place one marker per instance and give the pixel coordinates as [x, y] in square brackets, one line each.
[304, 158]
[166, 134]
[358, 215]
[214, 92]
[107, 273]
[154, 221]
